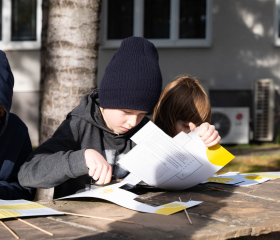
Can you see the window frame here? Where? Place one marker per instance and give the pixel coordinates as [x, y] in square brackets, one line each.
[277, 23]
[138, 27]
[6, 43]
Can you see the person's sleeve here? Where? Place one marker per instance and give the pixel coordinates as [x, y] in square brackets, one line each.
[11, 189]
[55, 161]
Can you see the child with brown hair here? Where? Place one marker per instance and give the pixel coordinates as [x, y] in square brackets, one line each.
[183, 106]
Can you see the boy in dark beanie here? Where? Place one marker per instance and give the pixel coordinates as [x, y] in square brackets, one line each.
[15, 144]
[95, 135]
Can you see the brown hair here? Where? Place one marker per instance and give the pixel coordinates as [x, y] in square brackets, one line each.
[183, 99]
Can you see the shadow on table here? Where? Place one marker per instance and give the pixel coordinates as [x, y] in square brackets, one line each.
[176, 226]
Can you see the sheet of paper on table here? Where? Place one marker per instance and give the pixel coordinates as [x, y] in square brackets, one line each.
[114, 193]
[173, 163]
[270, 175]
[23, 208]
[236, 179]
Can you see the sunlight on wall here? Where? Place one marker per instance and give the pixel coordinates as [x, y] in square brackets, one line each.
[258, 29]
[25, 66]
[250, 20]
[270, 62]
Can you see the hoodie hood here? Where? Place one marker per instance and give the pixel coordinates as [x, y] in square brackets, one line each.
[88, 110]
[6, 88]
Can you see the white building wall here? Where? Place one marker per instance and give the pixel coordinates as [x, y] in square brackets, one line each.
[242, 48]
[242, 51]
[25, 66]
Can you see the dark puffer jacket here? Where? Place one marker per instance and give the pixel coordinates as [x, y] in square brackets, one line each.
[15, 144]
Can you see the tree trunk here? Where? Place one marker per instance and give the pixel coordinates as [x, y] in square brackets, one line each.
[71, 59]
[45, 20]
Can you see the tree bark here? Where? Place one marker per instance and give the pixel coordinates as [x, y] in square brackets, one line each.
[71, 59]
[45, 20]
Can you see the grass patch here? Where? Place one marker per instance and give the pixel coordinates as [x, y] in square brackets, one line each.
[252, 146]
[253, 163]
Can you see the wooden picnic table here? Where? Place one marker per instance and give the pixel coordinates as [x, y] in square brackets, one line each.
[226, 212]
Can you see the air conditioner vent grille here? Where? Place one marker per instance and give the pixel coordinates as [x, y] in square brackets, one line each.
[232, 124]
[264, 109]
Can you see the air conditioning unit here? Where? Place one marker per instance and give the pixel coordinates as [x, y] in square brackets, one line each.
[264, 110]
[232, 124]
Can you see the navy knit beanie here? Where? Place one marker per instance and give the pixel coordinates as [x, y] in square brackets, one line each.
[132, 79]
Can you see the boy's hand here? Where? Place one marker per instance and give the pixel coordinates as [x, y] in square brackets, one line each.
[99, 168]
[209, 135]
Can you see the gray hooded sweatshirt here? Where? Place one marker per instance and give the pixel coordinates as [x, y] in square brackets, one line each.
[59, 162]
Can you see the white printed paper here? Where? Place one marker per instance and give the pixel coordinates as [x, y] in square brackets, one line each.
[115, 194]
[23, 208]
[172, 163]
[236, 179]
[270, 175]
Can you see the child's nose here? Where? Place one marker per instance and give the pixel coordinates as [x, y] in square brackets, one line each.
[132, 121]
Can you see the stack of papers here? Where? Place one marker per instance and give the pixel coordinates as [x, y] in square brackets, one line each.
[173, 163]
[245, 180]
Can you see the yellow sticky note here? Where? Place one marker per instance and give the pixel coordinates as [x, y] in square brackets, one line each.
[170, 208]
[253, 177]
[218, 155]
[108, 190]
[219, 180]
